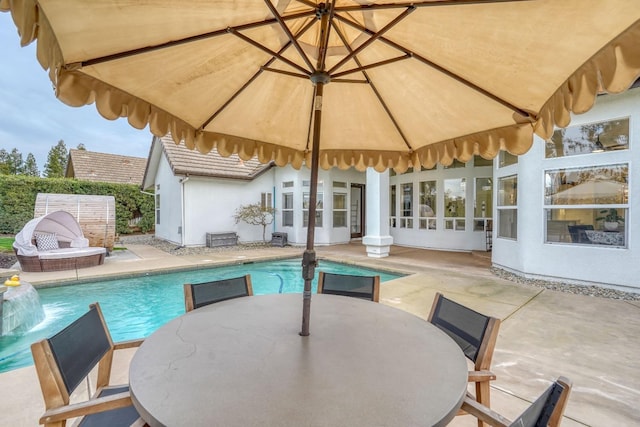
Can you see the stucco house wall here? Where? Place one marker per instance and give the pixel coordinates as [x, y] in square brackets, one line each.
[327, 234]
[210, 204]
[529, 255]
[168, 187]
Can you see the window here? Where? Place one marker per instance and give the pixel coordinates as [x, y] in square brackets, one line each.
[265, 200]
[287, 184]
[287, 210]
[598, 137]
[305, 209]
[406, 217]
[392, 208]
[481, 161]
[454, 204]
[339, 184]
[483, 202]
[427, 208]
[508, 207]
[339, 210]
[158, 208]
[455, 165]
[506, 159]
[587, 205]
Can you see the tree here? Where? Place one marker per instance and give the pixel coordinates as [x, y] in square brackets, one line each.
[30, 166]
[56, 161]
[256, 214]
[81, 147]
[4, 162]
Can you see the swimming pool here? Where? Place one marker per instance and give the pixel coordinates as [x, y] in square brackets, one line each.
[135, 307]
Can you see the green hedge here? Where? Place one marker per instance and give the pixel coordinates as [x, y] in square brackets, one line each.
[18, 197]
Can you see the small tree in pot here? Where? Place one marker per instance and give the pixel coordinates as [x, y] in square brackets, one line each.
[611, 218]
[256, 214]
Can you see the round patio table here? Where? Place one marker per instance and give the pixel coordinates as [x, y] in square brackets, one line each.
[242, 362]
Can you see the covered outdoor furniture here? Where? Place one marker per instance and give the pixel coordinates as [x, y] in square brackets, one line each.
[62, 363]
[55, 242]
[365, 287]
[547, 410]
[200, 294]
[475, 333]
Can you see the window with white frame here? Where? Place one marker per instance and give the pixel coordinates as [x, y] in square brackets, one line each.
[600, 137]
[339, 209]
[287, 210]
[428, 205]
[507, 206]
[305, 209]
[506, 159]
[455, 204]
[392, 207]
[406, 213]
[305, 204]
[158, 208]
[482, 212]
[587, 205]
[266, 200]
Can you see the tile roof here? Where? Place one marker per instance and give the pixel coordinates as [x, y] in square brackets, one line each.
[184, 161]
[103, 167]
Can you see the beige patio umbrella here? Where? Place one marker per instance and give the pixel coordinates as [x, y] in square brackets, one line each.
[345, 83]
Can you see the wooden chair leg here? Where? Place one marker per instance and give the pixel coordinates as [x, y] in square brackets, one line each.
[482, 396]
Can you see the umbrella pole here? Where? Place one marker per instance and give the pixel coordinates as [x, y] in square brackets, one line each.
[309, 262]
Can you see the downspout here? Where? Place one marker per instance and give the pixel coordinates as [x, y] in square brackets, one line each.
[273, 202]
[182, 209]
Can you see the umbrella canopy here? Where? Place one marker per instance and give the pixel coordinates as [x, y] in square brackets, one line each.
[412, 83]
[341, 83]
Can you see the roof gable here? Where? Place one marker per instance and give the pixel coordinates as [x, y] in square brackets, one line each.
[103, 167]
[184, 161]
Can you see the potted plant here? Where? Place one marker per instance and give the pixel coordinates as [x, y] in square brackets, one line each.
[611, 219]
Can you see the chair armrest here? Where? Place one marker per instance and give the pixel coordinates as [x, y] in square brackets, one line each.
[127, 344]
[482, 413]
[480, 376]
[101, 404]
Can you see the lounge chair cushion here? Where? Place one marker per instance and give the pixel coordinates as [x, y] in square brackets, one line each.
[71, 253]
[46, 241]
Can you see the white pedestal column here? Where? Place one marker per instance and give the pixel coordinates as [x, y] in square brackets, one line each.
[377, 240]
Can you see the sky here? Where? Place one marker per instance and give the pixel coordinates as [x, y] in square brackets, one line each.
[33, 120]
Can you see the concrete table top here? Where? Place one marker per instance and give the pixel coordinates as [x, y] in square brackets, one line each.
[242, 363]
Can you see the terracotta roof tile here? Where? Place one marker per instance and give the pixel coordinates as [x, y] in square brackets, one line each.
[184, 161]
[103, 167]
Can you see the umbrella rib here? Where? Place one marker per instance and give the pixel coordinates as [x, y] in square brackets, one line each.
[254, 77]
[442, 70]
[286, 73]
[287, 31]
[428, 3]
[375, 36]
[267, 50]
[372, 65]
[375, 90]
[173, 43]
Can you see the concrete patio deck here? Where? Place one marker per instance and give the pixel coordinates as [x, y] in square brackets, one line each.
[544, 333]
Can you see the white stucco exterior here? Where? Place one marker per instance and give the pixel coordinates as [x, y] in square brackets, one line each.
[203, 204]
[529, 255]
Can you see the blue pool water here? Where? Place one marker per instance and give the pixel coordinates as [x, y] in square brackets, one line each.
[135, 307]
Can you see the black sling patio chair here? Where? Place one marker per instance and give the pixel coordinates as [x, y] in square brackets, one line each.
[62, 363]
[364, 287]
[475, 333]
[547, 410]
[200, 294]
